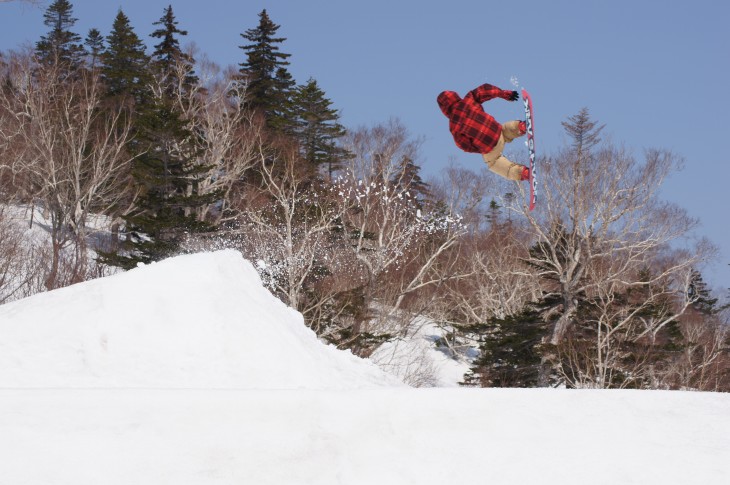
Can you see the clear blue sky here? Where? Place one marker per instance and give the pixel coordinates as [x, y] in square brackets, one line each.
[655, 72]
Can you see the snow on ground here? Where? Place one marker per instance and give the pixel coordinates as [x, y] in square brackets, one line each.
[35, 224]
[26, 250]
[393, 436]
[418, 360]
[195, 321]
[30, 220]
[188, 371]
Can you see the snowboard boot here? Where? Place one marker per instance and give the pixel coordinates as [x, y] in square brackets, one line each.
[523, 128]
[525, 174]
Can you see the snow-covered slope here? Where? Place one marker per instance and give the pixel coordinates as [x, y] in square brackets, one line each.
[374, 437]
[195, 321]
[189, 372]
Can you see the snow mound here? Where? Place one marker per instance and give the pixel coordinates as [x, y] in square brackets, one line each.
[196, 321]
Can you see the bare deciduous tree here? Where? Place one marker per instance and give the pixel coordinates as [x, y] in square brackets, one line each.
[600, 213]
[499, 284]
[385, 220]
[227, 135]
[395, 236]
[600, 223]
[483, 276]
[70, 152]
[290, 233]
[619, 341]
[704, 361]
[19, 261]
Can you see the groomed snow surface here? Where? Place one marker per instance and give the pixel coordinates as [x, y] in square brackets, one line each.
[189, 371]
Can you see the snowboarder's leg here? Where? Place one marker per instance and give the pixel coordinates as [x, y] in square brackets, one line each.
[504, 167]
[499, 164]
[512, 130]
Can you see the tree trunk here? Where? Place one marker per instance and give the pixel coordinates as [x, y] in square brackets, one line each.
[561, 326]
[51, 279]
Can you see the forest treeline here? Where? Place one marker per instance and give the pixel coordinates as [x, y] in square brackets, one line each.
[129, 152]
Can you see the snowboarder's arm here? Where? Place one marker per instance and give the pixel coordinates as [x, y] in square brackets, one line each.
[485, 92]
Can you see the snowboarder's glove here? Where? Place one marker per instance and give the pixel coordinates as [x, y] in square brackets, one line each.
[512, 96]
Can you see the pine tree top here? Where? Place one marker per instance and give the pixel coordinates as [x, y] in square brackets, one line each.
[263, 39]
[60, 45]
[268, 82]
[124, 62]
[94, 43]
[701, 295]
[315, 124]
[168, 51]
[583, 130]
[263, 56]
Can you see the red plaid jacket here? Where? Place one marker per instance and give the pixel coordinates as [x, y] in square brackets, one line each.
[474, 130]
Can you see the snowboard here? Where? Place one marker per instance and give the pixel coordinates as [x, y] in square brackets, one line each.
[530, 123]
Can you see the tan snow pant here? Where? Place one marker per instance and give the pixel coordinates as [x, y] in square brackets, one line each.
[497, 162]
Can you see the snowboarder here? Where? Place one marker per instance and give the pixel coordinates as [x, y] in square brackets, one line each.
[476, 131]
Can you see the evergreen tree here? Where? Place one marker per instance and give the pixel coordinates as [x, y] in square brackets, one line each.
[409, 178]
[583, 130]
[493, 214]
[60, 46]
[167, 53]
[703, 300]
[164, 171]
[167, 169]
[95, 47]
[167, 178]
[510, 351]
[317, 129]
[125, 69]
[166, 210]
[125, 65]
[282, 114]
[264, 71]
